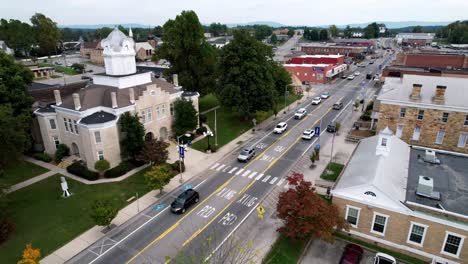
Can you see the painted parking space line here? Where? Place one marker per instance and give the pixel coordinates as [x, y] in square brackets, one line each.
[252, 174]
[214, 166]
[221, 167]
[232, 170]
[266, 178]
[280, 182]
[239, 171]
[246, 173]
[259, 176]
[274, 180]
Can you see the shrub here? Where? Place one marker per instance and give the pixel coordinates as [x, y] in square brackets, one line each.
[102, 165]
[366, 116]
[260, 116]
[175, 166]
[159, 176]
[370, 106]
[43, 157]
[119, 170]
[82, 171]
[136, 163]
[338, 125]
[61, 152]
[6, 228]
[102, 212]
[200, 130]
[213, 148]
[203, 119]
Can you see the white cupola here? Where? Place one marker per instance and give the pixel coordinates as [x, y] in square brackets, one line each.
[119, 54]
[384, 143]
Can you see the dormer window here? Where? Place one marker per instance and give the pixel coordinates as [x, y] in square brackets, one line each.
[384, 142]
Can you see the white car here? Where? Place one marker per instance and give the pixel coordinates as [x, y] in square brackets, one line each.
[308, 134]
[350, 77]
[300, 113]
[317, 100]
[280, 128]
[382, 258]
[357, 73]
[325, 95]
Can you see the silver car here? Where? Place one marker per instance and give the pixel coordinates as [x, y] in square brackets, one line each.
[246, 154]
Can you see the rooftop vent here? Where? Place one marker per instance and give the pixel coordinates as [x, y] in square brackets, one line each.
[431, 157]
[426, 188]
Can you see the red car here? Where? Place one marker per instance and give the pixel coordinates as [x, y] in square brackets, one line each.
[352, 254]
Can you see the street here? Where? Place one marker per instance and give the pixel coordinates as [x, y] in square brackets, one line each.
[229, 191]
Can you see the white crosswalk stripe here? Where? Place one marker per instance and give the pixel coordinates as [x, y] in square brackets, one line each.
[225, 169]
[221, 167]
[245, 173]
[252, 174]
[214, 166]
[280, 182]
[232, 170]
[259, 176]
[266, 178]
[239, 171]
[274, 180]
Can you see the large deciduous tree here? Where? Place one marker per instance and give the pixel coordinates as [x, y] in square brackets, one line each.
[185, 116]
[132, 135]
[372, 30]
[305, 214]
[154, 152]
[46, 33]
[17, 35]
[334, 31]
[323, 35]
[191, 57]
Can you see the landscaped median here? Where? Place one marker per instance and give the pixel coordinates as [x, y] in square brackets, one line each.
[285, 251]
[332, 171]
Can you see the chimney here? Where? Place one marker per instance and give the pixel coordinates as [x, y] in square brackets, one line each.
[175, 79]
[131, 94]
[440, 94]
[76, 101]
[416, 92]
[58, 98]
[114, 100]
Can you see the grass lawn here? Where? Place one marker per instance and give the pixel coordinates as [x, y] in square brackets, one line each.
[400, 256]
[48, 221]
[21, 171]
[230, 124]
[285, 251]
[332, 171]
[66, 70]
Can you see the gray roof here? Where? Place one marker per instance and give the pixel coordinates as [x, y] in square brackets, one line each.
[100, 95]
[399, 90]
[450, 179]
[98, 118]
[115, 40]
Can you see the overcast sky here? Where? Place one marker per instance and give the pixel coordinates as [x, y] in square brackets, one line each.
[290, 12]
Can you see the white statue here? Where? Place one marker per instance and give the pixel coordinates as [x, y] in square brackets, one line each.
[64, 185]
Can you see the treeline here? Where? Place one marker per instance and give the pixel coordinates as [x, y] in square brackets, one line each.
[455, 33]
[316, 34]
[139, 34]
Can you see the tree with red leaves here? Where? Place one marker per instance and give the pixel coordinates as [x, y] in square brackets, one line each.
[306, 214]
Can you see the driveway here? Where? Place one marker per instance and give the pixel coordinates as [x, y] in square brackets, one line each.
[324, 253]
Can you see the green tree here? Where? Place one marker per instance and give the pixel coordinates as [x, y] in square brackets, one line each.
[217, 29]
[101, 166]
[17, 35]
[262, 31]
[371, 31]
[185, 116]
[347, 32]
[102, 212]
[158, 176]
[132, 135]
[79, 67]
[323, 35]
[290, 33]
[46, 34]
[273, 38]
[314, 35]
[456, 32]
[282, 78]
[158, 31]
[417, 29]
[154, 152]
[334, 31]
[191, 57]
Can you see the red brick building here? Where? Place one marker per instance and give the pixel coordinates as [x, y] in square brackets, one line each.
[355, 42]
[326, 49]
[435, 60]
[318, 59]
[315, 73]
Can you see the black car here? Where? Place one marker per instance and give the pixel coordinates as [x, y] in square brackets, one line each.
[331, 127]
[337, 106]
[184, 201]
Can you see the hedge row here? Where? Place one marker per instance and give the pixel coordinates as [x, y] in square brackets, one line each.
[82, 171]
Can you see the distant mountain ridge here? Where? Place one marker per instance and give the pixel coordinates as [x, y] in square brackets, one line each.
[96, 26]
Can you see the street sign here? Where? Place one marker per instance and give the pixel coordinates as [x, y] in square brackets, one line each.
[317, 130]
[181, 151]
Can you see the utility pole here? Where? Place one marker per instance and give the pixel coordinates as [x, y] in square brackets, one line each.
[216, 130]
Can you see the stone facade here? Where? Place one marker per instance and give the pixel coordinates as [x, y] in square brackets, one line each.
[430, 125]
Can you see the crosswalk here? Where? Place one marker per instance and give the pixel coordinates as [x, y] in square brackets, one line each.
[250, 174]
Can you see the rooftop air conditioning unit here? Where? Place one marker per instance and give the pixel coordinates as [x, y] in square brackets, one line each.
[431, 157]
[426, 188]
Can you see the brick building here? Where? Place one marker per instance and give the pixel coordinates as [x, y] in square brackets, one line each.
[318, 59]
[355, 42]
[427, 111]
[415, 39]
[315, 73]
[433, 60]
[400, 71]
[332, 48]
[92, 51]
[393, 198]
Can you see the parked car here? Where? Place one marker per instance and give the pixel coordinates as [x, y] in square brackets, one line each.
[369, 76]
[352, 254]
[308, 134]
[300, 113]
[246, 154]
[317, 100]
[184, 201]
[357, 73]
[338, 105]
[331, 127]
[350, 77]
[382, 258]
[57, 63]
[344, 76]
[84, 77]
[371, 62]
[280, 128]
[325, 95]
[362, 65]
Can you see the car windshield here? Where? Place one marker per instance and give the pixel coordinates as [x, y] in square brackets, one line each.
[317, 98]
[382, 260]
[180, 200]
[244, 152]
[307, 132]
[278, 126]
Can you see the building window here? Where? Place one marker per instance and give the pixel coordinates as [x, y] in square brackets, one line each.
[97, 136]
[297, 73]
[70, 125]
[453, 243]
[172, 109]
[379, 224]
[66, 124]
[143, 116]
[158, 113]
[161, 111]
[445, 117]
[100, 155]
[462, 140]
[440, 137]
[384, 142]
[416, 234]
[352, 215]
[76, 127]
[305, 74]
[416, 133]
[399, 130]
[420, 114]
[56, 141]
[319, 76]
[466, 120]
[52, 124]
[149, 114]
[402, 112]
